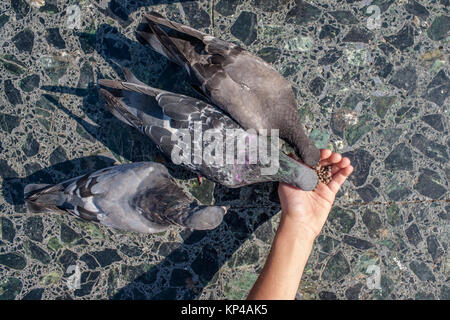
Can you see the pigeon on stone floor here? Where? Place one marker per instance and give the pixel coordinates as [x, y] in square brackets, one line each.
[162, 115]
[140, 197]
[238, 82]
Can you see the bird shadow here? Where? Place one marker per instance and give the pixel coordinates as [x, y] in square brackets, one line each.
[125, 142]
[13, 186]
[187, 268]
[121, 12]
[195, 263]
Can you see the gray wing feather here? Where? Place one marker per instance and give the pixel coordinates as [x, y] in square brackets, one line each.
[132, 103]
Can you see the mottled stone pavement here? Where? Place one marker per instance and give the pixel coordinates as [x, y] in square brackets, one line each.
[374, 90]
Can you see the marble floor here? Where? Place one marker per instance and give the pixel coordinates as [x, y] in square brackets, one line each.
[371, 80]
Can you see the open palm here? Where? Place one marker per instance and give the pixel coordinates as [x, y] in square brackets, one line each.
[310, 209]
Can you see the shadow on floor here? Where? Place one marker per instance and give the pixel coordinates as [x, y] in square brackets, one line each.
[123, 140]
[13, 186]
[203, 252]
[121, 12]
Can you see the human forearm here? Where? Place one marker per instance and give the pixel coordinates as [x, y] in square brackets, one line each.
[303, 216]
[284, 266]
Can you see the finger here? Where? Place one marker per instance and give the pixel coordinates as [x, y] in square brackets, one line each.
[339, 178]
[332, 159]
[325, 154]
[334, 170]
[323, 189]
[345, 162]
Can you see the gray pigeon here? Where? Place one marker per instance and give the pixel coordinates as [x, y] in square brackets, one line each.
[161, 115]
[140, 197]
[242, 84]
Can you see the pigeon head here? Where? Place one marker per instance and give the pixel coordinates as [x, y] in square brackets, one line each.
[304, 178]
[205, 217]
[297, 174]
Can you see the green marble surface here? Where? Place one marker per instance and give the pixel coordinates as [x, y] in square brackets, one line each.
[376, 92]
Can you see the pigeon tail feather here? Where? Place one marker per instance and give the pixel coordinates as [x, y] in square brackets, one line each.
[120, 110]
[43, 198]
[170, 47]
[161, 42]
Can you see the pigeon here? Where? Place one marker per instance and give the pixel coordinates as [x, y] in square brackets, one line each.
[238, 82]
[140, 197]
[163, 115]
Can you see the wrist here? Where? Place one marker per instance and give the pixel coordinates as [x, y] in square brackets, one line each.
[295, 230]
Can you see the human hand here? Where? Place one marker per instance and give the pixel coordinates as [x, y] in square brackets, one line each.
[308, 210]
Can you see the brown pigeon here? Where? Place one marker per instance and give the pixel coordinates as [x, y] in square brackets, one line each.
[238, 82]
